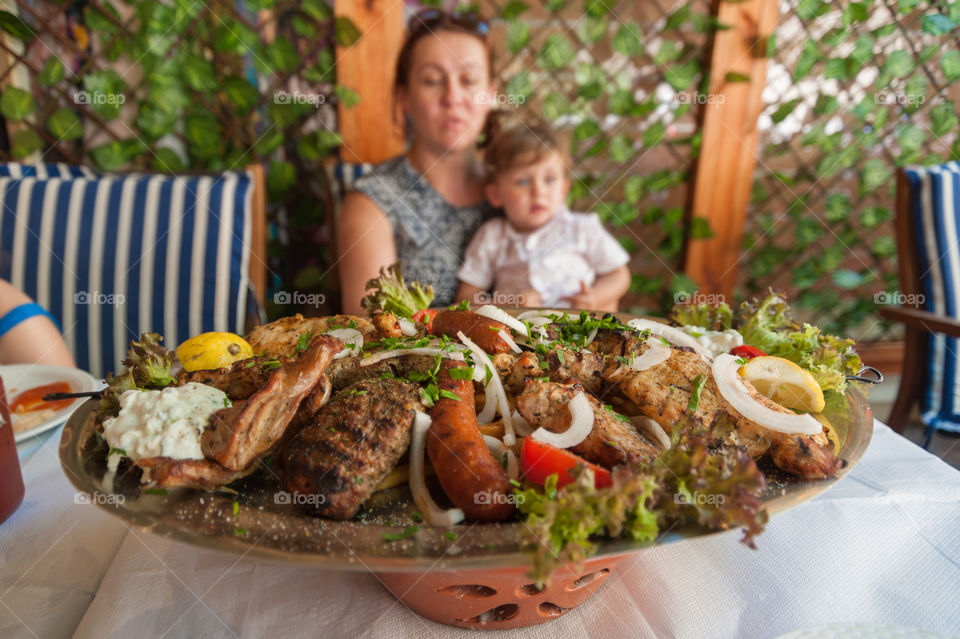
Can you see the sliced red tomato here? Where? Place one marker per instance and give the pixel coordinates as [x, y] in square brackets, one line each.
[538, 461]
[747, 352]
[425, 317]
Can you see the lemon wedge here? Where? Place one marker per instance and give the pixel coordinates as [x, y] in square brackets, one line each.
[784, 382]
[212, 350]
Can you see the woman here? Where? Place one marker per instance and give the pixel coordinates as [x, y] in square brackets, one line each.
[28, 334]
[421, 208]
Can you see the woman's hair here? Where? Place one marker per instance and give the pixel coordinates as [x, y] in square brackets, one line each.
[433, 21]
[512, 141]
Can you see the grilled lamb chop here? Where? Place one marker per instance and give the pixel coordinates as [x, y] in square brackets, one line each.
[584, 366]
[282, 337]
[239, 381]
[202, 474]
[352, 444]
[238, 435]
[612, 441]
[662, 393]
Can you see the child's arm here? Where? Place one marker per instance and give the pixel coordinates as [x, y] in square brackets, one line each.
[469, 292]
[606, 291]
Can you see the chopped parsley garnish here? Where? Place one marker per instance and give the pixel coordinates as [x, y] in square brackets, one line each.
[226, 402]
[450, 535]
[250, 363]
[462, 306]
[560, 357]
[461, 372]
[271, 364]
[407, 533]
[354, 392]
[236, 508]
[449, 395]
[622, 418]
[358, 480]
[117, 451]
[239, 532]
[698, 383]
[304, 341]
[416, 516]
[515, 483]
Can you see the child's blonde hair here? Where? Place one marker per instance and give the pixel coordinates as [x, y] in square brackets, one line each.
[513, 142]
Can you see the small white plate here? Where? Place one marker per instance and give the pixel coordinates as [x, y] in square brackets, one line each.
[21, 377]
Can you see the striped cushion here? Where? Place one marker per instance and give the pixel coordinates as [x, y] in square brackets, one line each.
[112, 257]
[48, 170]
[341, 177]
[935, 199]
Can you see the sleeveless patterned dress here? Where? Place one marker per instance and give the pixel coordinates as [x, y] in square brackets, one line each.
[431, 234]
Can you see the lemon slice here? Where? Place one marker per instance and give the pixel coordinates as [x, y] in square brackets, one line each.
[212, 350]
[784, 382]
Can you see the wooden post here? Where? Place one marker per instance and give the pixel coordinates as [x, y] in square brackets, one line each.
[369, 130]
[728, 153]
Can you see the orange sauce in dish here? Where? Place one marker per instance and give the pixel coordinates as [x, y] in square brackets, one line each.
[32, 399]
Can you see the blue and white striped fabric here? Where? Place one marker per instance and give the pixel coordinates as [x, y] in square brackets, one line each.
[115, 256]
[340, 177]
[935, 198]
[43, 171]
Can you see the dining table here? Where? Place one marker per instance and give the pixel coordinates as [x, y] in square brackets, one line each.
[876, 555]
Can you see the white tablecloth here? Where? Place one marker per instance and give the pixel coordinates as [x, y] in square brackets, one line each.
[880, 547]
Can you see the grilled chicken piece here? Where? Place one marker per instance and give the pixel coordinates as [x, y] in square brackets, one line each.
[352, 444]
[202, 474]
[612, 442]
[663, 392]
[238, 435]
[282, 337]
[387, 325]
[514, 369]
[584, 366]
[238, 381]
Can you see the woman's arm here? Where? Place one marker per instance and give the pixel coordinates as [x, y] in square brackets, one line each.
[35, 340]
[469, 292]
[606, 291]
[365, 244]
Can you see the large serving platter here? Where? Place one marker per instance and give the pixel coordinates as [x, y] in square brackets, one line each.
[257, 519]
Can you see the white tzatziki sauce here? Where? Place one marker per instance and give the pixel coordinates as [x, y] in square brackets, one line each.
[162, 423]
[717, 342]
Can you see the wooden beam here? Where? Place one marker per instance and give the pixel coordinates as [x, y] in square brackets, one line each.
[369, 130]
[728, 153]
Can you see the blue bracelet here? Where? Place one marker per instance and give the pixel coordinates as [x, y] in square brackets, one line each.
[25, 311]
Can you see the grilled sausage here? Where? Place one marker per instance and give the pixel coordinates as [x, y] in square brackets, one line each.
[482, 330]
[468, 472]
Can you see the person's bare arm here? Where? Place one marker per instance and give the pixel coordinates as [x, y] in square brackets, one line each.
[469, 292]
[605, 293]
[35, 340]
[365, 244]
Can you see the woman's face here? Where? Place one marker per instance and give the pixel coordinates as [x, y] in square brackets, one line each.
[448, 93]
